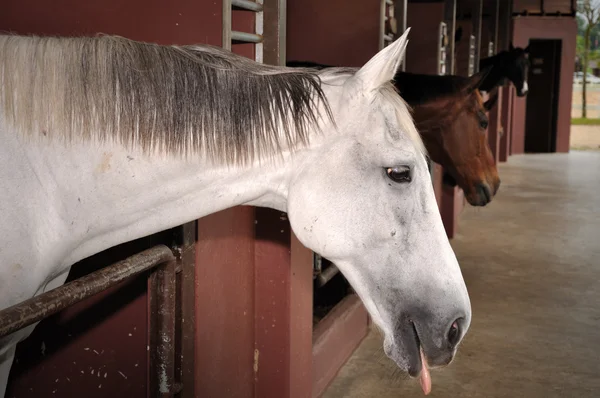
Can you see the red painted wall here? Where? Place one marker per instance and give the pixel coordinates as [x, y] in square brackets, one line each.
[177, 21]
[560, 28]
[424, 21]
[332, 32]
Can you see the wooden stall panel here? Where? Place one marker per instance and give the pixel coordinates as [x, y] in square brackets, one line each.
[272, 272]
[224, 304]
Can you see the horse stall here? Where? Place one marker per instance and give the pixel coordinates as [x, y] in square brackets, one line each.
[541, 122]
[217, 307]
[222, 306]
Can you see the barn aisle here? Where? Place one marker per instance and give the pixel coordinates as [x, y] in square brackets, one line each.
[531, 261]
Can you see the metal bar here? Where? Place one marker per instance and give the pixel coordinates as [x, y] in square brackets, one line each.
[246, 37]
[247, 5]
[274, 32]
[226, 32]
[326, 275]
[476, 17]
[37, 308]
[163, 313]
[382, 12]
[259, 29]
[400, 12]
[496, 25]
[450, 19]
[187, 296]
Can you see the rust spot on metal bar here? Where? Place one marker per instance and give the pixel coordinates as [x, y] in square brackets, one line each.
[42, 306]
[163, 297]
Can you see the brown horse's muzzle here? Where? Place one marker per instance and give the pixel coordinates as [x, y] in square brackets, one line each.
[477, 193]
[483, 193]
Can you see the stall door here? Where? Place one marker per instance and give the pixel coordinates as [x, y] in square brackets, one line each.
[542, 98]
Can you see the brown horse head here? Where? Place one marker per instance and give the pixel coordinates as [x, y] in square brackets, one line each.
[450, 114]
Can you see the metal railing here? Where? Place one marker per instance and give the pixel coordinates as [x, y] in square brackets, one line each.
[255, 37]
[164, 264]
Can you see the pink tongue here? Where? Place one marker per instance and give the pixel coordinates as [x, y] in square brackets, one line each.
[425, 378]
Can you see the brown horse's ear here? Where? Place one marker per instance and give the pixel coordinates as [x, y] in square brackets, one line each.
[489, 104]
[511, 47]
[476, 79]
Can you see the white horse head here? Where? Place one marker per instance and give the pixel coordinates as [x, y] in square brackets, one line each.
[110, 140]
[364, 200]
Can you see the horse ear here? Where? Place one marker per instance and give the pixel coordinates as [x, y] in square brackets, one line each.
[489, 104]
[511, 47]
[383, 66]
[527, 48]
[475, 80]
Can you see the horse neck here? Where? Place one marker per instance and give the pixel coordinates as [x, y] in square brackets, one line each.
[497, 74]
[95, 196]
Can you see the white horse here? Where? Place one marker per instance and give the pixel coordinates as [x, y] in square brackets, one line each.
[105, 140]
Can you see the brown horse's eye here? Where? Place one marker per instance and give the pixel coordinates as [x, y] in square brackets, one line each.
[484, 124]
[399, 174]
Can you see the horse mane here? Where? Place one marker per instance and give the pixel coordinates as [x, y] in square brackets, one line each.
[417, 89]
[171, 99]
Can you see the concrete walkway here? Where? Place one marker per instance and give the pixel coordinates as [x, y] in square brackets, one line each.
[585, 138]
[531, 261]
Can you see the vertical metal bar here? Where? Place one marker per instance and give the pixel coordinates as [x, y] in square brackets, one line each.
[400, 11]
[442, 50]
[162, 328]
[226, 33]
[187, 264]
[259, 29]
[450, 19]
[382, 13]
[496, 25]
[274, 22]
[476, 16]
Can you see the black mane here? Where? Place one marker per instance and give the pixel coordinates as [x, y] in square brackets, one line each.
[414, 88]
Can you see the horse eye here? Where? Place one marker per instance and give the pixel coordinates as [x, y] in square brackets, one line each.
[484, 124]
[399, 174]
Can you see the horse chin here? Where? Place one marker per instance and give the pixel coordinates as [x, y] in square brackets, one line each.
[407, 359]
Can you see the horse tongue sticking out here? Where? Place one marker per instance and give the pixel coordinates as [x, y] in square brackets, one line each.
[425, 378]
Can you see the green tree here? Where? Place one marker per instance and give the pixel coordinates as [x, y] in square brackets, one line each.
[590, 16]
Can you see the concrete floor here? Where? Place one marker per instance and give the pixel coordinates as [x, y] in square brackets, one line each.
[531, 261]
[585, 138]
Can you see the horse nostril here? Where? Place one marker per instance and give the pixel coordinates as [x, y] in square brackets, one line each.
[485, 193]
[454, 334]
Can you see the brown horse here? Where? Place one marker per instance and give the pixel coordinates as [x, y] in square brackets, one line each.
[451, 116]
